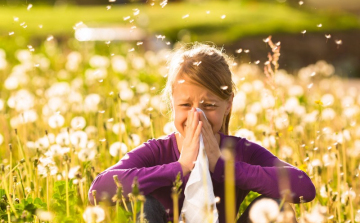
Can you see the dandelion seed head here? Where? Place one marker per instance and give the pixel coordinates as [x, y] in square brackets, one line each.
[108, 7]
[301, 2]
[49, 38]
[239, 50]
[185, 16]
[223, 17]
[303, 32]
[29, 7]
[257, 62]
[163, 3]
[319, 25]
[16, 19]
[246, 51]
[338, 42]
[94, 214]
[126, 18]
[327, 36]
[224, 87]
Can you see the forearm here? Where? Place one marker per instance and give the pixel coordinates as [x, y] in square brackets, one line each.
[268, 180]
[149, 178]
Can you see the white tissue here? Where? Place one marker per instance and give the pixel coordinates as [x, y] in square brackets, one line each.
[199, 203]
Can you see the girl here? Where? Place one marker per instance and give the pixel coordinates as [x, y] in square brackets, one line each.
[200, 77]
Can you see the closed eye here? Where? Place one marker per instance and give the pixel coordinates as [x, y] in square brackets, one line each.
[185, 105]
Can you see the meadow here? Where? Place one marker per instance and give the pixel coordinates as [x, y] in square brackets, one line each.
[69, 110]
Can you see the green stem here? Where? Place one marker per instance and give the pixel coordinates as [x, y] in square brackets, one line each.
[67, 190]
[21, 182]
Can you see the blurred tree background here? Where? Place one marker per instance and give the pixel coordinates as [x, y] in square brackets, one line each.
[309, 30]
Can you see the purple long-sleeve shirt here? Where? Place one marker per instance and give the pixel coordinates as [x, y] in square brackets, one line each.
[155, 164]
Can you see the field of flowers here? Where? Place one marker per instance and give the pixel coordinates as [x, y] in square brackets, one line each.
[67, 114]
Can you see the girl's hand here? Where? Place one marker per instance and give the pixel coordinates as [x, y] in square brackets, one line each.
[191, 142]
[211, 144]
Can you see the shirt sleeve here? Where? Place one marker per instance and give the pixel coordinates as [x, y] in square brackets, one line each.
[259, 170]
[139, 163]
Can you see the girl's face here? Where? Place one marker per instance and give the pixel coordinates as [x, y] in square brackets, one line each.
[187, 95]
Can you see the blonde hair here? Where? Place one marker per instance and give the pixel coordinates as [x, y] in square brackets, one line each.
[205, 65]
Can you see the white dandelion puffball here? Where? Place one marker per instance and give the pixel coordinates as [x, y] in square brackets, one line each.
[116, 147]
[250, 119]
[264, 211]
[117, 127]
[99, 61]
[1, 139]
[56, 121]
[1, 104]
[119, 64]
[78, 122]
[94, 214]
[44, 215]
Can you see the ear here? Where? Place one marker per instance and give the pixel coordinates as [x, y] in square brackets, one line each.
[229, 104]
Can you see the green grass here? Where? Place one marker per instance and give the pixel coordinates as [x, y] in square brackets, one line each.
[242, 19]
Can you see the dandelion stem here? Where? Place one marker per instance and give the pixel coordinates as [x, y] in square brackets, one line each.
[229, 183]
[175, 198]
[67, 188]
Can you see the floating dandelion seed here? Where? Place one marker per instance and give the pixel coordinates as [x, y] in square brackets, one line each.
[207, 12]
[37, 65]
[112, 0]
[185, 16]
[338, 42]
[49, 38]
[112, 56]
[102, 80]
[126, 18]
[152, 89]
[133, 27]
[167, 43]
[327, 36]
[29, 7]
[267, 63]
[108, 7]
[278, 43]
[181, 81]
[312, 74]
[136, 11]
[246, 51]
[163, 3]
[303, 32]
[301, 2]
[202, 101]
[139, 43]
[11, 33]
[319, 25]
[131, 21]
[102, 140]
[234, 64]
[224, 87]
[197, 63]
[22, 24]
[257, 62]
[223, 17]
[310, 85]
[217, 199]
[25, 26]
[239, 50]
[266, 40]
[107, 42]
[102, 111]
[160, 37]
[152, 3]
[131, 50]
